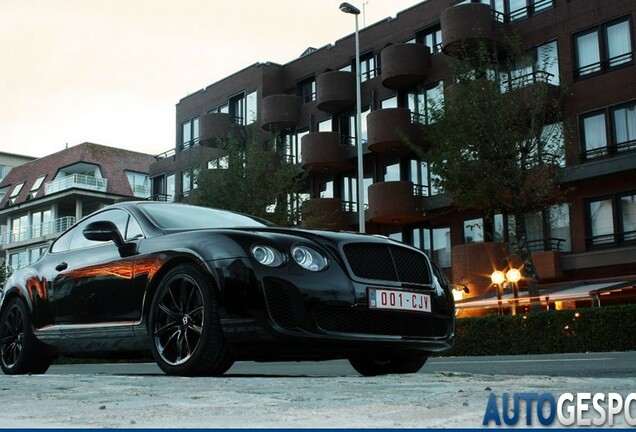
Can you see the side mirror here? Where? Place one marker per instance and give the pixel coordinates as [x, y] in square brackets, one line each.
[103, 231]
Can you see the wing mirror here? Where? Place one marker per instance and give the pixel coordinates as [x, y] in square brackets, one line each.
[103, 231]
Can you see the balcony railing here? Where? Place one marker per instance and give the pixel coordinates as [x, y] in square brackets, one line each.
[607, 151]
[37, 231]
[141, 191]
[167, 154]
[352, 207]
[80, 181]
[550, 244]
[536, 76]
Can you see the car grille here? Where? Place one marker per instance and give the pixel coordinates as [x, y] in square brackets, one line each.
[387, 263]
[364, 321]
[283, 304]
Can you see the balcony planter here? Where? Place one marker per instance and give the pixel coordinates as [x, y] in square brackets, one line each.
[280, 112]
[322, 152]
[335, 91]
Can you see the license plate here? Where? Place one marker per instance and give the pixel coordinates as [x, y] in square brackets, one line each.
[399, 300]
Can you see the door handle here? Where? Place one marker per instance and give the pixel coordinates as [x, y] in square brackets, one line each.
[61, 266]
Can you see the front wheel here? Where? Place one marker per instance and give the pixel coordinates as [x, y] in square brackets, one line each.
[185, 329]
[20, 352]
[394, 365]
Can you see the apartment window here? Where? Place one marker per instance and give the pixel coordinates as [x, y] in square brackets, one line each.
[18, 260]
[325, 125]
[474, 230]
[431, 37]
[188, 182]
[306, 90]
[611, 220]
[219, 163]
[242, 108]
[624, 126]
[221, 109]
[418, 174]
[603, 48]
[170, 188]
[608, 131]
[514, 10]
[15, 192]
[441, 247]
[139, 183]
[190, 133]
[326, 189]
[392, 172]
[36, 185]
[237, 109]
[369, 66]
[391, 102]
[251, 108]
[423, 102]
[4, 170]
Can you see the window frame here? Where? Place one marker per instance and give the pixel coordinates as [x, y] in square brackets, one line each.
[603, 64]
[618, 234]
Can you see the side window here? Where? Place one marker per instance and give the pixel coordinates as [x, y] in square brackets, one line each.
[63, 241]
[118, 217]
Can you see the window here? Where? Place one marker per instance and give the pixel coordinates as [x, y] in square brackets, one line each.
[423, 102]
[418, 174]
[4, 170]
[624, 126]
[474, 230]
[18, 260]
[598, 138]
[369, 66]
[118, 217]
[170, 188]
[243, 109]
[431, 37]
[326, 189]
[219, 163]
[391, 102]
[603, 48]
[539, 64]
[190, 133]
[611, 220]
[188, 182]
[15, 192]
[347, 127]
[251, 108]
[139, 183]
[306, 90]
[36, 186]
[514, 10]
[392, 172]
[435, 243]
[325, 126]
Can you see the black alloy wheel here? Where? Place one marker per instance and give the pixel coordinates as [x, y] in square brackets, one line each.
[185, 330]
[396, 365]
[20, 352]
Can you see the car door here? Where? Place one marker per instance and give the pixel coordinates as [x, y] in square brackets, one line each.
[92, 282]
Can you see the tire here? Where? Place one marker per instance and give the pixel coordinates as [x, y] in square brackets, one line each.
[397, 365]
[20, 352]
[185, 331]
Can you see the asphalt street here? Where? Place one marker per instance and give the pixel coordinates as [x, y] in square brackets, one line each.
[592, 365]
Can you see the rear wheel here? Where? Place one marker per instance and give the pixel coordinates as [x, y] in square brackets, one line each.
[20, 351]
[185, 329]
[394, 365]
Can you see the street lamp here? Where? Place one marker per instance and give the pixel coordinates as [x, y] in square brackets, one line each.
[499, 279]
[351, 9]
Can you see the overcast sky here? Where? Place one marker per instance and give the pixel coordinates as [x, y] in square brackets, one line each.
[111, 71]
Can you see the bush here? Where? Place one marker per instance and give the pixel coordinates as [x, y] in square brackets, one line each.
[579, 330]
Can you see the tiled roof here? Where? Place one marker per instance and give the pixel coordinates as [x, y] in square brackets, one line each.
[112, 162]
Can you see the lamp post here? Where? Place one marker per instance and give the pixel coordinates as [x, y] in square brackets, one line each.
[350, 9]
[500, 278]
[497, 277]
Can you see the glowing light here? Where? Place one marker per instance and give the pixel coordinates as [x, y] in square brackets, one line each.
[497, 277]
[513, 275]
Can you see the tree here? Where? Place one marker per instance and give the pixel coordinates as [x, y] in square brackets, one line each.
[496, 140]
[254, 178]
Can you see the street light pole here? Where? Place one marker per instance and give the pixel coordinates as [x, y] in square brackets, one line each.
[350, 9]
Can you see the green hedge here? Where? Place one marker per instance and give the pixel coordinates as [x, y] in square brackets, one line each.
[610, 328]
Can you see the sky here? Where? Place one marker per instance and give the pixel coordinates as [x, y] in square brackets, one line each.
[112, 71]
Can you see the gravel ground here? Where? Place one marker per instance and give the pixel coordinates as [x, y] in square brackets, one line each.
[398, 401]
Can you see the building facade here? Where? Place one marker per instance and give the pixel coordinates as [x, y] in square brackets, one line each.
[46, 196]
[308, 108]
[9, 161]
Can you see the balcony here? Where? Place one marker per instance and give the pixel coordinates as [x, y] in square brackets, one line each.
[329, 214]
[280, 112]
[536, 88]
[395, 202]
[404, 65]
[390, 130]
[140, 191]
[39, 231]
[214, 127]
[76, 181]
[467, 27]
[323, 152]
[336, 91]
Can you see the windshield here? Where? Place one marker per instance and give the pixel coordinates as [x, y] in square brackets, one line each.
[182, 216]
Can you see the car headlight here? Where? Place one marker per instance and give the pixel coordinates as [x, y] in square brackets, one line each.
[309, 258]
[267, 256]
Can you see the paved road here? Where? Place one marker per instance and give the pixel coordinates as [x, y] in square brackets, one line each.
[594, 365]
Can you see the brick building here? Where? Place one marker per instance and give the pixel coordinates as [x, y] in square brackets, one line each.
[309, 105]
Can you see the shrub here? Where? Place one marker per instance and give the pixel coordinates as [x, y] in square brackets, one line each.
[610, 328]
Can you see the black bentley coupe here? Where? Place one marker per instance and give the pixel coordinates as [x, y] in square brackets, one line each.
[201, 288]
